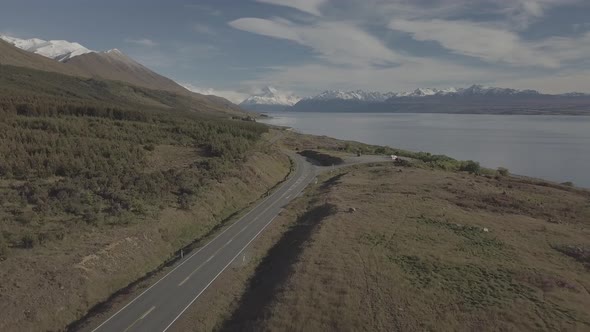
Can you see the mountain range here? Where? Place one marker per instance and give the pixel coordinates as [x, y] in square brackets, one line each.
[71, 58]
[472, 99]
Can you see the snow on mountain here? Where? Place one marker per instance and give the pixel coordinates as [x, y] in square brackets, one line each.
[375, 97]
[358, 95]
[575, 94]
[60, 50]
[481, 90]
[269, 99]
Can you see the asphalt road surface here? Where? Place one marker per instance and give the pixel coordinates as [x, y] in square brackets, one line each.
[159, 306]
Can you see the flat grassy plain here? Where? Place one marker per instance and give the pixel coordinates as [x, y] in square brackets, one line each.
[425, 249]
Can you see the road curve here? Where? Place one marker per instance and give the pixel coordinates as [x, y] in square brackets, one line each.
[159, 306]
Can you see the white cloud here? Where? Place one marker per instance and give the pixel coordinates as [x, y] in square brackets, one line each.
[420, 72]
[335, 42]
[306, 6]
[522, 13]
[203, 29]
[347, 56]
[414, 73]
[233, 96]
[142, 42]
[478, 40]
[566, 48]
[568, 81]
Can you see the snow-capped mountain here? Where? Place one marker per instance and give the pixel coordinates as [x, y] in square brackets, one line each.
[60, 50]
[481, 90]
[80, 61]
[358, 95]
[473, 99]
[374, 97]
[270, 99]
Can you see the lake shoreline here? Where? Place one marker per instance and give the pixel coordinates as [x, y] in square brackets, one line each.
[553, 148]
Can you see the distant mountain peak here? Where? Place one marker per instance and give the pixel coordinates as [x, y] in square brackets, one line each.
[371, 97]
[60, 50]
[269, 98]
[357, 95]
[114, 51]
[269, 90]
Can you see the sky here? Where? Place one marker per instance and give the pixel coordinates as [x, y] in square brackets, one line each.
[234, 48]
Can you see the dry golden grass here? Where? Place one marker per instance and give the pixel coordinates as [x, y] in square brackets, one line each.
[414, 256]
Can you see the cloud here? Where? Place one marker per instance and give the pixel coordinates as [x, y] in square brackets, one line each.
[478, 40]
[142, 42]
[345, 54]
[566, 48]
[203, 29]
[307, 6]
[417, 72]
[334, 42]
[522, 13]
[205, 9]
[568, 81]
[178, 54]
[233, 96]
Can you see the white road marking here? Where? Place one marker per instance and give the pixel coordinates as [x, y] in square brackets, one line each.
[276, 193]
[187, 259]
[148, 312]
[140, 318]
[220, 272]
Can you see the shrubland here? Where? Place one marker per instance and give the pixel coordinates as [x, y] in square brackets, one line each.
[101, 182]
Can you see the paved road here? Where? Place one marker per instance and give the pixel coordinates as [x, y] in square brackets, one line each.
[158, 307]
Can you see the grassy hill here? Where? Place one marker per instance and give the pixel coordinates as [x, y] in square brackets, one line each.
[101, 181]
[105, 67]
[47, 90]
[116, 66]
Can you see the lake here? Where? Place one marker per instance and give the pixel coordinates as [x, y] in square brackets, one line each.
[551, 147]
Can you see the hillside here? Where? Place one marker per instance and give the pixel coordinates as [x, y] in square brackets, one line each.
[47, 89]
[111, 66]
[107, 181]
[116, 66]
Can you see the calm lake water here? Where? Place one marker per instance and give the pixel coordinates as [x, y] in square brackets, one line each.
[550, 147]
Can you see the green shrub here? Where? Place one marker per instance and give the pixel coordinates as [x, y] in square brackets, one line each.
[184, 201]
[471, 166]
[503, 171]
[28, 241]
